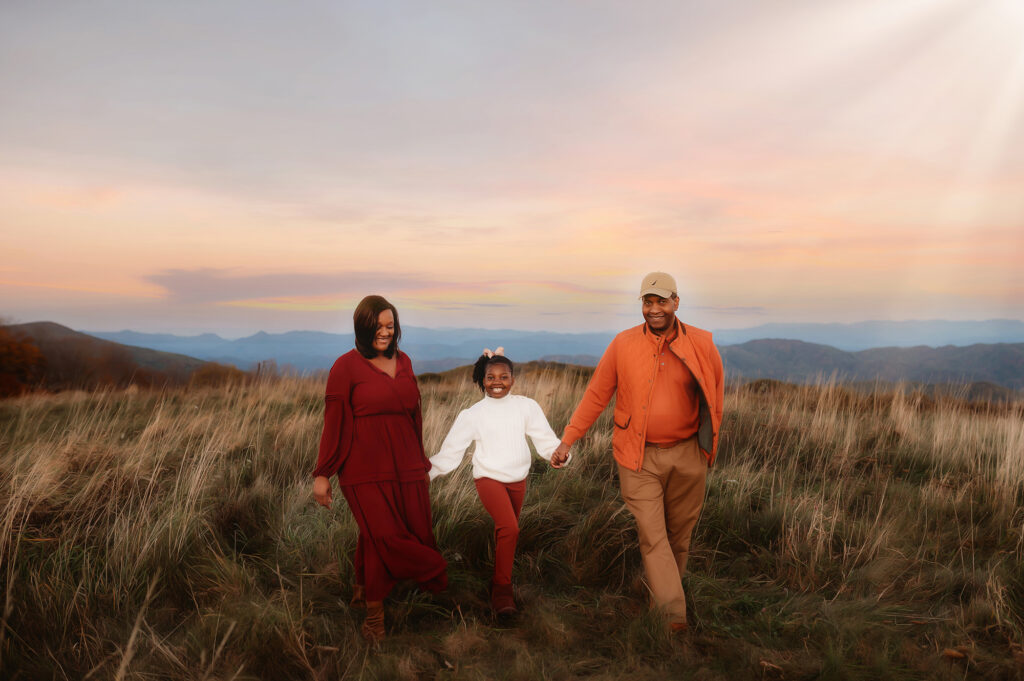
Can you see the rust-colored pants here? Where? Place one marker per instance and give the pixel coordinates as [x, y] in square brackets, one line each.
[503, 500]
[666, 497]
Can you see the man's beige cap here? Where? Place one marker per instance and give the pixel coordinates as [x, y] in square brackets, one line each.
[658, 283]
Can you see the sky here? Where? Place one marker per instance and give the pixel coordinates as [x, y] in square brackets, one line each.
[242, 165]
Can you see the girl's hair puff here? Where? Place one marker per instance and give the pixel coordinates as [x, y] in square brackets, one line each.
[480, 368]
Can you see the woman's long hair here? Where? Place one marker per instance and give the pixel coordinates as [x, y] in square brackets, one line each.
[364, 322]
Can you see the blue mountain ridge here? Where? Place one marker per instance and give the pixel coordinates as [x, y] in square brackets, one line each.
[935, 350]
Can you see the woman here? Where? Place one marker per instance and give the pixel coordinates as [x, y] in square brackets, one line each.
[373, 441]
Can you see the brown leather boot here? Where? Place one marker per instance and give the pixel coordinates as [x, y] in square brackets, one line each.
[373, 625]
[503, 600]
[358, 601]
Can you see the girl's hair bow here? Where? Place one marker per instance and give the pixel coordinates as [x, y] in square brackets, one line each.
[488, 353]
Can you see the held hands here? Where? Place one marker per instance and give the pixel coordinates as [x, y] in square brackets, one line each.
[322, 491]
[560, 455]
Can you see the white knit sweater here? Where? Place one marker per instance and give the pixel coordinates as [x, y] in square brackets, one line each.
[499, 427]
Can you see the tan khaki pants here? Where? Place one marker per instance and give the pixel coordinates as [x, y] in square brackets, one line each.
[666, 497]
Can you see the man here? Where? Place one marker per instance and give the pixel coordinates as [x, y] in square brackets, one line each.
[667, 379]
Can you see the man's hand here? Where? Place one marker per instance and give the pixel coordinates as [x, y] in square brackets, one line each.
[322, 491]
[560, 455]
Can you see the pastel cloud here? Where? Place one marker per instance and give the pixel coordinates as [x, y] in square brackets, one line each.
[209, 285]
[330, 291]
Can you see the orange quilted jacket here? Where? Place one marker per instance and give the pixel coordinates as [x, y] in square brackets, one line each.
[627, 370]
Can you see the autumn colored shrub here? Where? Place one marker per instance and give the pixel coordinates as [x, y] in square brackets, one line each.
[214, 375]
[21, 364]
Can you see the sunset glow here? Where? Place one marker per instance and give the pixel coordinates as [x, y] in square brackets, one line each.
[262, 167]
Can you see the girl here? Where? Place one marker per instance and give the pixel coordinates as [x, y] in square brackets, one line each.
[499, 424]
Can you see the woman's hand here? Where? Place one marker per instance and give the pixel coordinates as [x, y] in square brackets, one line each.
[322, 491]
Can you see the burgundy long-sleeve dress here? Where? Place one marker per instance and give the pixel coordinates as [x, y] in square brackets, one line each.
[373, 440]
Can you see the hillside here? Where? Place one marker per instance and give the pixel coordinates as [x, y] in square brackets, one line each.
[77, 360]
[846, 535]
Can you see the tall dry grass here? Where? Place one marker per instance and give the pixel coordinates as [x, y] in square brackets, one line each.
[846, 535]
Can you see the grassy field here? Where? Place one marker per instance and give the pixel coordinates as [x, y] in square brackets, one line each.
[846, 535]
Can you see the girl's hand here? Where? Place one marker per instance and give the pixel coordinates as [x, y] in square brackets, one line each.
[560, 455]
[322, 491]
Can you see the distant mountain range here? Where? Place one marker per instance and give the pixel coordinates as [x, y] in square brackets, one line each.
[881, 334]
[789, 360]
[439, 349]
[962, 358]
[76, 359]
[430, 349]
